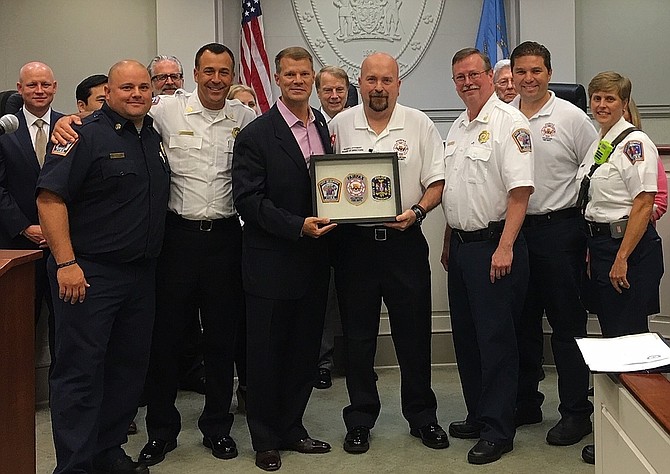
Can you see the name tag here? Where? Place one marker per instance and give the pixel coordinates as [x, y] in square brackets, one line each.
[186, 132]
[117, 155]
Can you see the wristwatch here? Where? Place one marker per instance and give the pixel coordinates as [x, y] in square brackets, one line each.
[420, 213]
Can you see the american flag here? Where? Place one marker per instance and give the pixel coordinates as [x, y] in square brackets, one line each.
[255, 66]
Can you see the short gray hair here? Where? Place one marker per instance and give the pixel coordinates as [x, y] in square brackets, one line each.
[163, 57]
[500, 65]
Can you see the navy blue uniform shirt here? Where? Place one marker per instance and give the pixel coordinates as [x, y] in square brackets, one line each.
[114, 181]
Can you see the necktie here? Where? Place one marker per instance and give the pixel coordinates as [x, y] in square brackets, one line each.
[40, 141]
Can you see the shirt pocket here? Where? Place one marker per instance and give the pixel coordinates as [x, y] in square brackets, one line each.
[224, 156]
[184, 152]
[476, 164]
[120, 179]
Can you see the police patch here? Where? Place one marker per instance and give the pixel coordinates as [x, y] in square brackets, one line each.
[522, 139]
[63, 150]
[357, 188]
[634, 151]
[381, 188]
[330, 190]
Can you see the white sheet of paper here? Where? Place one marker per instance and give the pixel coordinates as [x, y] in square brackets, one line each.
[631, 353]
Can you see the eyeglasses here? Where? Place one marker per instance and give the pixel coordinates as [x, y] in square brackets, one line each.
[460, 79]
[164, 77]
[504, 82]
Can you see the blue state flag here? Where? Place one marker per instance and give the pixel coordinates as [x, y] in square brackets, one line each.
[492, 34]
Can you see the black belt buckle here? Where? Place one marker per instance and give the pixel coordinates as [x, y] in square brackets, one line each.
[206, 226]
[380, 235]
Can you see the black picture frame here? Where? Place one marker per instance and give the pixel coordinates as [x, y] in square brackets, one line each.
[356, 188]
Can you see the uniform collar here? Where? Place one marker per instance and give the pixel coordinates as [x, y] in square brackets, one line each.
[397, 120]
[120, 123]
[194, 106]
[546, 109]
[616, 129]
[484, 114]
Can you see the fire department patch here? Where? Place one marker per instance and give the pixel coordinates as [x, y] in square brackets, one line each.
[634, 151]
[381, 188]
[357, 188]
[401, 148]
[522, 139]
[330, 190]
[548, 131]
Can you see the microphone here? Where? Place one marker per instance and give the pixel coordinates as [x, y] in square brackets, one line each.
[8, 124]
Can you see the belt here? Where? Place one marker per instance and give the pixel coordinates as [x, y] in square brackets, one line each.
[598, 228]
[493, 231]
[204, 226]
[379, 234]
[554, 216]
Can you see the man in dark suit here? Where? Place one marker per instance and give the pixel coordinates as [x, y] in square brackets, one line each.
[284, 260]
[21, 157]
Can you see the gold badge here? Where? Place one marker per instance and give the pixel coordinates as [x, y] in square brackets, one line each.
[484, 136]
[235, 131]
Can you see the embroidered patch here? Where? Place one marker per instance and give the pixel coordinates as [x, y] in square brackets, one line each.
[357, 188]
[484, 136]
[548, 131]
[330, 190]
[522, 139]
[401, 148]
[634, 151]
[381, 188]
[63, 150]
[155, 100]
[332, 140]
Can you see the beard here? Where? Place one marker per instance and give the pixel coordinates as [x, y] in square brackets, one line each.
[378, 103]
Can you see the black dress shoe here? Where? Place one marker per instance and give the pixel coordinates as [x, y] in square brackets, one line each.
[589, 454]
[569, 430]
[155, 450]
[122, 465]
[323, 380]
[309, 446]
[357, 440]
[465, 429]
[268, 460]
[527, 416]
[223, 447]
[432, 435]
[485, 452]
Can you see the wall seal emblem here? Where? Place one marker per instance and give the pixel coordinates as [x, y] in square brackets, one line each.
[344, 32]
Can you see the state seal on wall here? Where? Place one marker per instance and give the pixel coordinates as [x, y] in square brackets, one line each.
[344, 32]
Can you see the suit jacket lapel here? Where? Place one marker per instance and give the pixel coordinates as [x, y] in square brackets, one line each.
[23, 142]
[286, 139]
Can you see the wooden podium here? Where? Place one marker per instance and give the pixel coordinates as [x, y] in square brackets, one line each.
[17, 360]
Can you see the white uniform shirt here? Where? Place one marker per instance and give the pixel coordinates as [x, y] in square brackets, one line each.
[632, 168]
[484, 159]
[199, 147]
[409, 132]
[562, 134]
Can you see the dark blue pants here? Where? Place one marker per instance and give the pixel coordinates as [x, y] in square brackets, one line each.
[201, 268]
[483, 316]
[102, 353]
[626, 313]
[557, 257]
[397, 271]
[283, 339]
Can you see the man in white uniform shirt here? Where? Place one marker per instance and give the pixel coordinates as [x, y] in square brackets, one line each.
[489, 178]
[200, 261]
[395, 257]
[562, 134]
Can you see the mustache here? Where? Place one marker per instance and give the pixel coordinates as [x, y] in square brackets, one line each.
[470, 87]
[378, 95]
